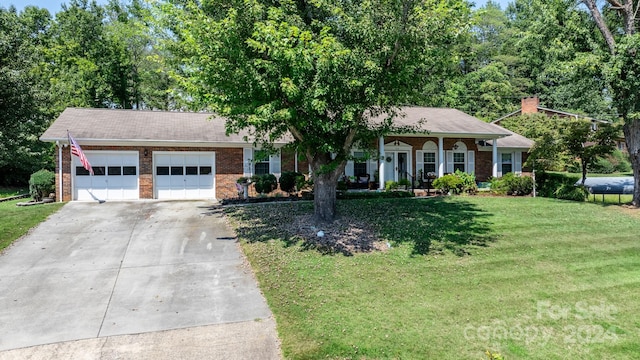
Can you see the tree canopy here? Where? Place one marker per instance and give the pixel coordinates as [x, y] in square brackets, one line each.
[316, 70]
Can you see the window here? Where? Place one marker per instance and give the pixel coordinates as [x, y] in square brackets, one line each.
[177, 170]
[191, 170]
[114, 170]
[81, 171]
[359, 163]
[507, 166]
[429, 160]
[98, 170]
[162, 170]
[128, 170]
[205, 170]
[261, 165]
[458, 161]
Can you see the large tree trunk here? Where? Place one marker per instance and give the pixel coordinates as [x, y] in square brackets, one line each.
[632, 138]
[325, 182]
[324, 200]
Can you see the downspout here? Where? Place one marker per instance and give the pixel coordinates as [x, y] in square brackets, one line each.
[381, 164]
[59, 168]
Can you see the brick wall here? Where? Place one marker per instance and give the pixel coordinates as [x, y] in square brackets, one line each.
[484, 165]
[530, 105]
[229, 164]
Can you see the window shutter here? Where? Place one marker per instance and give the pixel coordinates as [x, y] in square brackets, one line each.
[274, 165]
[420, 162]
[348, 170]
[517, 168]
[449, 162]
[373, 167]
[471, 162]
[247, 162]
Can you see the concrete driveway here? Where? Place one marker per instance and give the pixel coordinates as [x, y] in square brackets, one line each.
[94, 271]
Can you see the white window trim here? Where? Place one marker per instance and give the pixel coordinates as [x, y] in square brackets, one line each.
[249, 165]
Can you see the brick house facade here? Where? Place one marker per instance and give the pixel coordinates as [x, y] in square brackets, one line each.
[133, 152]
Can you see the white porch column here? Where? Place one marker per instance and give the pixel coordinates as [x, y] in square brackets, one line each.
[295, 164]
[440, 156]
[381, 163]
[494, 169]
[60, 169]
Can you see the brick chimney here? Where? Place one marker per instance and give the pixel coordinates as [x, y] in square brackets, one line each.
[530, 105]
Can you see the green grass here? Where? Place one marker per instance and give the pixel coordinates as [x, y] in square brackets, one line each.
[592, 175]
[530, 278]
[610, 199]
[15, 221]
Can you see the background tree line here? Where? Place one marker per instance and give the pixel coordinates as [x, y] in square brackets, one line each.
[120, 56]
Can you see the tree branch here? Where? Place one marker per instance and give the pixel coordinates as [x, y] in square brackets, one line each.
[602, 26]
[405, 19]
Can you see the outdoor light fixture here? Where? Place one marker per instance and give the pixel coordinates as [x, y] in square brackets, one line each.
[146, 152]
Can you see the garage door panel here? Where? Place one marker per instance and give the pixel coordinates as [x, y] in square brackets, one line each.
[184, 175]
[116, 176]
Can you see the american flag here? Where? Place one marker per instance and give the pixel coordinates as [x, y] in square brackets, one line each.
[77, 151]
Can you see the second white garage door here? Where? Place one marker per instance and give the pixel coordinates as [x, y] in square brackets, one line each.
[184, 175]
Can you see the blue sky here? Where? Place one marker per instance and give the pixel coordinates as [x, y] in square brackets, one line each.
[55, 5]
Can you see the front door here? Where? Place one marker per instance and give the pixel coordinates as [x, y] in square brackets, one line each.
[396, 165]
[402, 165]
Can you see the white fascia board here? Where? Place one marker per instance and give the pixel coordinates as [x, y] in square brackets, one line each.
[455, 135]
[159, 143]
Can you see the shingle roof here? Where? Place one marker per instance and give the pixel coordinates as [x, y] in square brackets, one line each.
[445, 121]
[513, 141]
[133, 125]
[119, 126]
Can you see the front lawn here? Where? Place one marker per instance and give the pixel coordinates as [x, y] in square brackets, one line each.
[15, 221]
[532, 278]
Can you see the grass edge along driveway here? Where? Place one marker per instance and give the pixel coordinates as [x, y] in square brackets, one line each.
[531, 278]
[15, 221]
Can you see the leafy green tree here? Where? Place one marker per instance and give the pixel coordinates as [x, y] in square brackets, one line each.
[548, 152]
[77, 57]
[316, 70]
[587, 144]
[620, 33]
[24, 110]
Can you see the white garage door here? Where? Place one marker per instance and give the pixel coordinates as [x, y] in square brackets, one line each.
[184, 175]
[115, 176]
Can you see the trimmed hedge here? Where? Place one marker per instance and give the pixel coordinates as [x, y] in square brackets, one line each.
[41, 184]
[510, 184]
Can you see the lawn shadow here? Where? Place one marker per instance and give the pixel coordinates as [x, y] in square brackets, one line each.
[428, 225]
[264, 222]
[435, 224]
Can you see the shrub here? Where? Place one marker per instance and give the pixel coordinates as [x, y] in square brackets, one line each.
[288, 181]
[548, 183]
[390, 185]
[572, 192]
[511, 184]
[448, 183]
[265, 184]
[342, 185]
[404, 182]
[467, 181]
[41, 184]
